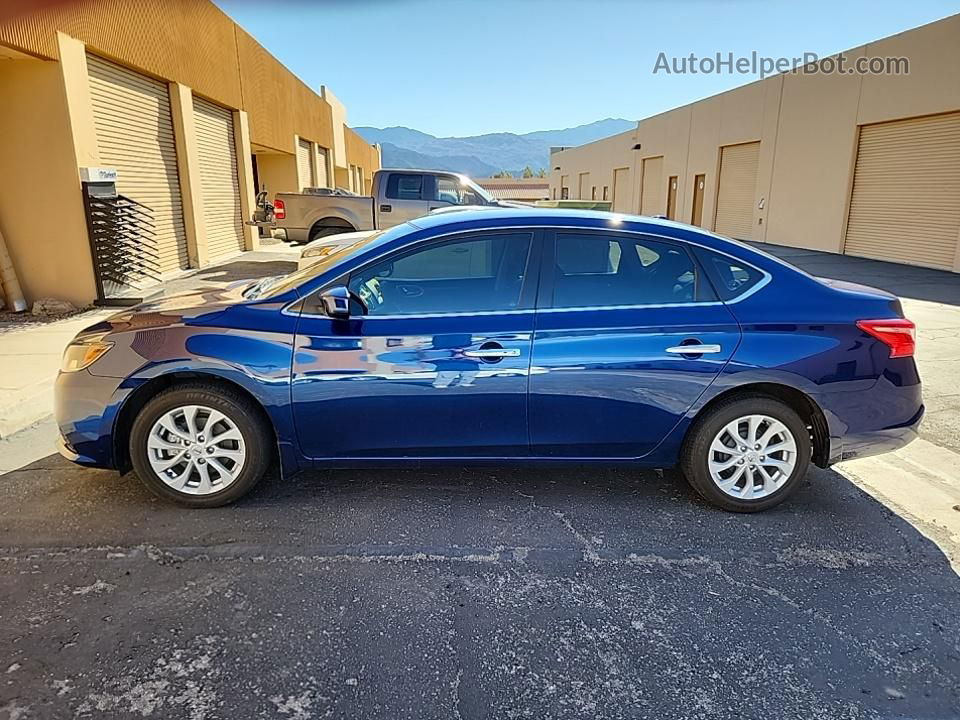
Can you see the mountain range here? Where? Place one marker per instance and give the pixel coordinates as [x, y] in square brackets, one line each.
[483, 155]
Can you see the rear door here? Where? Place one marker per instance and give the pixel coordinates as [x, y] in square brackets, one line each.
[629, 334]
[434, 359]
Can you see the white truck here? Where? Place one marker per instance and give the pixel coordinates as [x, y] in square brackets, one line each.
[398, 196]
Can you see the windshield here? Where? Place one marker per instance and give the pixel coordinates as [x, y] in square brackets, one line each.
[330, 255]
[487, 197]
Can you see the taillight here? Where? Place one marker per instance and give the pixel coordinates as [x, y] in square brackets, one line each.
[898, 334]
[279, 209]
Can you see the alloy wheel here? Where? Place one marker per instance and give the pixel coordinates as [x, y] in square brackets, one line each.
[196, 450]
[752, 457]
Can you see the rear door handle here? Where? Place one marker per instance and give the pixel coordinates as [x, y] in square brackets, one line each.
[699, 349]
[489, 353]
[386, 208]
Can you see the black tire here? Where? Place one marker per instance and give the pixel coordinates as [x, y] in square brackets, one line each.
[695, 454]
[320, 231]
[257, 440]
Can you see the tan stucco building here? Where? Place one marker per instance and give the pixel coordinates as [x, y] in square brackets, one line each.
[192, 113]
[863, 164]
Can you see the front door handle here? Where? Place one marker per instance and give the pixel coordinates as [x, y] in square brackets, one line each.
[696, 349]
[492, 353]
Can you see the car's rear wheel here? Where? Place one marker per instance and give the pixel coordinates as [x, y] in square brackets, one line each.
[747, 454]
[200, 445]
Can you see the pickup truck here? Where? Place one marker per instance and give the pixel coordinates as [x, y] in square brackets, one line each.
[398, 196]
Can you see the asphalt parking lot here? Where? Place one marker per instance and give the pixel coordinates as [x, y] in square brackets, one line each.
[504, 593]
[584, 592]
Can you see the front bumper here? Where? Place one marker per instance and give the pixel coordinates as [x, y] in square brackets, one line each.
[85, 407]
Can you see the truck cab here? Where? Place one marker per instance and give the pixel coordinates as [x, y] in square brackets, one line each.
[398, 195]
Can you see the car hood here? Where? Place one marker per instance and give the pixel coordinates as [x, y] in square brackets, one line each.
[173, 310]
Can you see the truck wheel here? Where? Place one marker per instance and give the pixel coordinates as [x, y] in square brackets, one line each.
[319, 231]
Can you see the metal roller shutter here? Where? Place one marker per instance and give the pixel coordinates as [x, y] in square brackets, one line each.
[905, 205]
[738, 187]
[651, 196]
[305, 163]
[219, 179]
[322, 181]
[134, 128]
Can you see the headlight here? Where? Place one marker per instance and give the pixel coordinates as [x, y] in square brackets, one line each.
[84, 352]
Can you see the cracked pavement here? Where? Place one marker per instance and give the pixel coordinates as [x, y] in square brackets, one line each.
[446, 593]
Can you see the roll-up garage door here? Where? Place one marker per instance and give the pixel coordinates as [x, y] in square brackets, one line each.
[322, 167]
[738, 186]
[905, 205]
[651, 202]
[305, 163]
[219, 181]
[134, 128]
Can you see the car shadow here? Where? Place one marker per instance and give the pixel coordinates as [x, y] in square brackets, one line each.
[829, 605]
[629, 510]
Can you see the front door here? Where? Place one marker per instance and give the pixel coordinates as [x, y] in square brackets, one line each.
[433, 361]
[629, 334]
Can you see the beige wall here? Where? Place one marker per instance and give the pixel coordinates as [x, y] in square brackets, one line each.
[41, 213]
[807, 126]
[48, 133]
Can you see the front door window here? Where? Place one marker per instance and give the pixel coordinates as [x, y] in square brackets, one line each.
[476, 274]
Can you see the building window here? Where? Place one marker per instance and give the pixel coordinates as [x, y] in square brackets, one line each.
[606, 192]
[564, 193]
[553, 193]
[593, 193]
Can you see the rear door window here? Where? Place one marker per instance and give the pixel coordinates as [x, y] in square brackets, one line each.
[597, 270]
[402, 186]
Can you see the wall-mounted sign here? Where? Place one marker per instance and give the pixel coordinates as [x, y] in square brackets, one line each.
[98, 174]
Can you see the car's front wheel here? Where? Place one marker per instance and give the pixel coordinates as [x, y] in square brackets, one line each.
[200, 445]
[747, 454]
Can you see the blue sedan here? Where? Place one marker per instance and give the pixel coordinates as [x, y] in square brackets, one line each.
[500, 336]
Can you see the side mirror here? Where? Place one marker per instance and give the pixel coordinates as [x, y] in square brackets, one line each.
[336, 302]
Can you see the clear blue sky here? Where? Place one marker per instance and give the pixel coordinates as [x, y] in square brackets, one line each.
[465, 67]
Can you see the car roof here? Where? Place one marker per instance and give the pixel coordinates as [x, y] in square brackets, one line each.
[531, 215]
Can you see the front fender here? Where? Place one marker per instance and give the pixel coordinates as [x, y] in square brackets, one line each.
[257, 361]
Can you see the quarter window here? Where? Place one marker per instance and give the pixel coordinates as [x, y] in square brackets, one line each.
[600, 270]
[404, 187]
[730, 277]
[477, 274]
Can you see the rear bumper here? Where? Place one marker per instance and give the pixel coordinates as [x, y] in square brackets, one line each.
[876, 442]
[871, 422]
